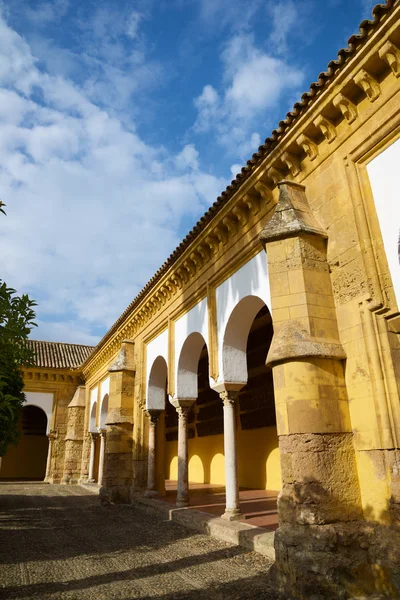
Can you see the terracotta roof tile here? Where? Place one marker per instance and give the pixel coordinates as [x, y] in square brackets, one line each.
[57, 355]
[324, 78]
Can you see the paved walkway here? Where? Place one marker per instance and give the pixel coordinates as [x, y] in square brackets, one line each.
[57, 542]
[259, 507]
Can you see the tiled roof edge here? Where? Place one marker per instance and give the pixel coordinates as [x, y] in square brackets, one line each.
[59, 355]
[269, 144]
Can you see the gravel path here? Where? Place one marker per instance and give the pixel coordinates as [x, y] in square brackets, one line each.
[57, 542]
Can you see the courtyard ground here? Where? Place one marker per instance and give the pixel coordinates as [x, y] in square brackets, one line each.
[58, 542]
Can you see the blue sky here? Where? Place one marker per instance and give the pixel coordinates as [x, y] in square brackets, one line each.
[123, 120]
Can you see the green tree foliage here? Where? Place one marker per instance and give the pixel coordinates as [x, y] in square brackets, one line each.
[16, 321]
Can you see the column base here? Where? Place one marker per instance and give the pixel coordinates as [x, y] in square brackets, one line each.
[232, 514]
[182, 503]
[152, 494]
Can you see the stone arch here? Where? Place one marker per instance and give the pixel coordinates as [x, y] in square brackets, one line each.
[234, 360]
[155, 398]
[186, 384]
[92, 421]
[103, 411]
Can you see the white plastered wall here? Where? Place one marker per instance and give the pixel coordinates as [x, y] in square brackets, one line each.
[43, 400]
[157, 347]
[92, 413]
[250, 280]
[384, 175]
[104, 391]
[194, 321]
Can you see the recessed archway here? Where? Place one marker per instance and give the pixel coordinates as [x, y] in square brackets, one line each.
[27, 460]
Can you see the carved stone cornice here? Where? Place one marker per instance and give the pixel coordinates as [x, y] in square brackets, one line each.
[285, 159]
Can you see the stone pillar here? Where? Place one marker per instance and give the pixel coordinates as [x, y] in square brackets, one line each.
[74, 437]
[102, 455]
[183, 407]
[317, 549]
[117, 478]
[152, 454]
[232, 508]
[52, 436]
[93, 438]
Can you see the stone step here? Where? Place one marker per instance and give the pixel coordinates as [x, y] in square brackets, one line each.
[234, 532]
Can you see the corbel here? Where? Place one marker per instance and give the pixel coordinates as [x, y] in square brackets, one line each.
[183, 274]
[195, 257]
[309, 147]
[240, 214]
[221, 234]
[275, 175]
[369, 84]
[252, 203]
[190, 267]
[391, 54]
[213, 243]
[230, 224]
[263, 190]
[177, 281]
[346, 107]
[204, 252]
[292, 162]
[166, 291]
[327, 128]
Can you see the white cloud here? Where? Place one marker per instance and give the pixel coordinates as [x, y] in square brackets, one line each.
[92, 209]
[253, 83]
[286, 20]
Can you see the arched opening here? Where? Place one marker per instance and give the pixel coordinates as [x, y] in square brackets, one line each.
[205, 419]
[257, 439]
[92, 423]
[27, 460]
[104, 412]
[157, 405]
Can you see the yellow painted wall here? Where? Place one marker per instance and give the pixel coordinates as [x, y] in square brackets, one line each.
[27, 460]
[258, 455]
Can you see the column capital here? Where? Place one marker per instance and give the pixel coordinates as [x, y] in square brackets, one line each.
[103, 433]
[93, 435]
[229, 397]
[153, 415]
[53, 434]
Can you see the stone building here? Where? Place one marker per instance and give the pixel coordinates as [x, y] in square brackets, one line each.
[265, 352]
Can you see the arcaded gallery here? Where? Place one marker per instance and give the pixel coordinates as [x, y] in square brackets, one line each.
[256, 377]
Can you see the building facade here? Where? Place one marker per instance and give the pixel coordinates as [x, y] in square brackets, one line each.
[265, 352]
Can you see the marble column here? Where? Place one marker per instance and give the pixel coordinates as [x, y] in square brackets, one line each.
[93, 438]
[102, 456]
[52, 436]
[232, 509]
[154, 415]
[183, 407]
